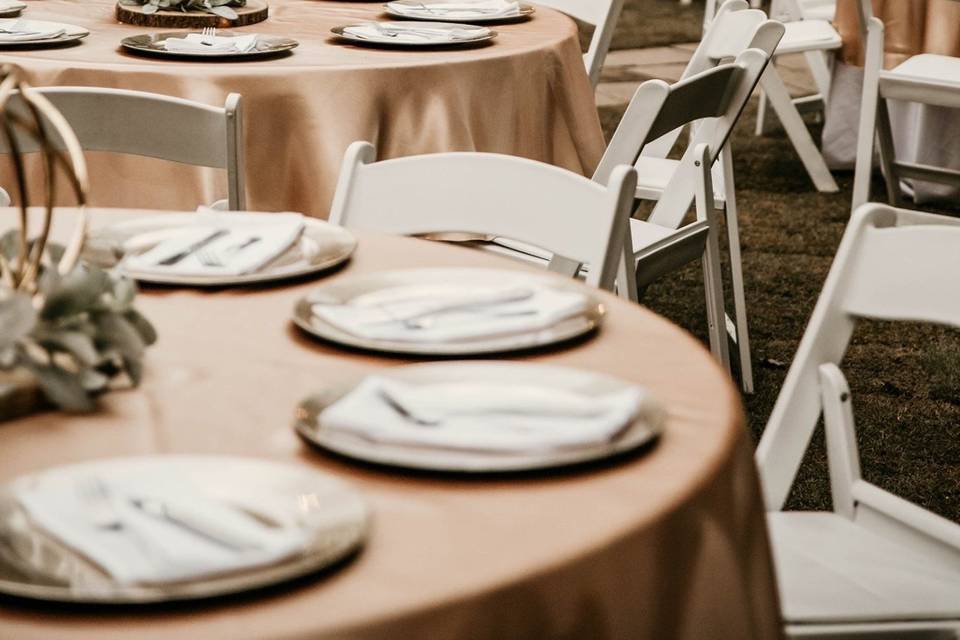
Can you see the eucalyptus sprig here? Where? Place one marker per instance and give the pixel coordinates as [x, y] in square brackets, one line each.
[78, 333]
[216, 7]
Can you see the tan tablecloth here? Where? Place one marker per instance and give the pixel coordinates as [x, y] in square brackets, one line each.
[671, 544]
[526, 94]
[922, 134]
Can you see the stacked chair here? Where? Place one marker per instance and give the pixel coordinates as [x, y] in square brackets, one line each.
[602, 15]
[180, 130]
[927, 79]
[877, 564]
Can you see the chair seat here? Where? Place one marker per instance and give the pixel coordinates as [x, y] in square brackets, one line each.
[818, 9]
[654, 174]
[808, 35]
[831, 570]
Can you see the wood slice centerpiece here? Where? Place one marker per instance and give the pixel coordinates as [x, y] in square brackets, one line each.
[254, 11]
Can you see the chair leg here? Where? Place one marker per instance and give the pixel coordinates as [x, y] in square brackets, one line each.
[888, 154]
[742, 337]
[626, 271]
[712, 281]
[819, 66]
[797, 131]
[761, 127]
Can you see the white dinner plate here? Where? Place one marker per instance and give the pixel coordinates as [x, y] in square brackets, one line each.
[331, 516]
[392, 34]
[421, 11]
[345, 289]
[322, 246]
[71, 33]
[644, 429]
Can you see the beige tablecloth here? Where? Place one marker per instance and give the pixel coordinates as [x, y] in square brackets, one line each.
[922, 134]
[525, 94]
[671, 544]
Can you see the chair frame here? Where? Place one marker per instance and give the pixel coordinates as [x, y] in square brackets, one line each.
[602, 18]
[181, 130]
[606, 208]
[863, 283]
[879, 86]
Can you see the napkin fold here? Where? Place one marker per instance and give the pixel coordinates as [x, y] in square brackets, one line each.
[486, 417]
[448, 313]
[464, 9]
[241, 242]
[135, 547]
[18, 30]
[415, 33]
[197, 43]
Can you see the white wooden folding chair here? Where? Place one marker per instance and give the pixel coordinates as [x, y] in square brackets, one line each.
[490, 194]
[816, 39]
[602, 15]
[659, 244]
[925, 78]
[876, 563]
[156, 126]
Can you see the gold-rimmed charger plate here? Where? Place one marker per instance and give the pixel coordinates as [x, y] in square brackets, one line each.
[645, 428]
[425, 13]
[322, 246]
[71, 33]
[331, 515]
[151, 44]
[345, 289]
[382, 40]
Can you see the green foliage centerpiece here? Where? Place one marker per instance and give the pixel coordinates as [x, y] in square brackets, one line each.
[222, 8]
[66, 326]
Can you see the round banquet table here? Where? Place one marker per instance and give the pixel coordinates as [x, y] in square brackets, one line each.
[524, 94]
[922, 134]
[668, 544]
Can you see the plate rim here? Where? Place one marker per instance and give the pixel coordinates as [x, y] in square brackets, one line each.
[130, 43]
[588, 321]
[208, 588]
[526, 10]
[340, 32]
[259, 277]
[389, 456]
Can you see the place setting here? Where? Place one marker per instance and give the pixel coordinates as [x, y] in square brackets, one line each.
[216, 248]
[481, 417]
[448, 311]
[208, 43]
[464, 11]
[152, 529]
[11, 8]
[415, 34]
[20, 33]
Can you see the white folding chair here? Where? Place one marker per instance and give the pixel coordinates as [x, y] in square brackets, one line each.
[816, 39]
[659, 244]
[602, 15]
[927, 79]
[490, 194]
[156, 126]
[876, 563]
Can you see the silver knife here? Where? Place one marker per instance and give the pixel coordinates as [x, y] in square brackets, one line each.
[177, 257]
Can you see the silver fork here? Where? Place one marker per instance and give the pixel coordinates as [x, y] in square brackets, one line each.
[207, 35]
[210, 258]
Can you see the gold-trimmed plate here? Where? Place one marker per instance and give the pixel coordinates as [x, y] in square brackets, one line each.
[72, 33]
[645, 427]
[151, 44]
[322, 246]
[345, 289]
[331, 515]
[526, 10]
[383, 40]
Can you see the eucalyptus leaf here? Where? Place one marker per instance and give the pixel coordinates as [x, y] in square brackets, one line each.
[149, 8]
[115, 331]
[77, 291]
[77, 344]
[134, 369]
[147, 333]
[223, 12]
[17, 319]
[62, 388]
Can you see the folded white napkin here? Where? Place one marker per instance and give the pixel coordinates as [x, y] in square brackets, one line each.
[18, 30]
[242, 243]
[98, 519]
[447, 313]
[400, 32]
[486, 417]
[197, 43]
[464, 9]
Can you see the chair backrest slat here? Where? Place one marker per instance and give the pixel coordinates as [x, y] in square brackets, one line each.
[705, 95]
[892, 264]
[150, 125]
[489, 194]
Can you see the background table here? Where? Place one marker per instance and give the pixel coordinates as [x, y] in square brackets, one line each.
[670, 544]
[923, 134]
[525, 94]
